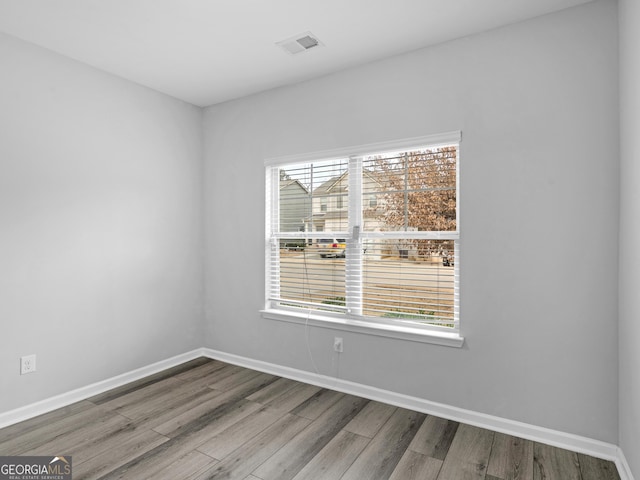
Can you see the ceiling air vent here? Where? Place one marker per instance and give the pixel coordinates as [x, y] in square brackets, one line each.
[300, 43]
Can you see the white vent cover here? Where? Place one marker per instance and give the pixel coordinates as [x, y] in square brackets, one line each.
[300, 43]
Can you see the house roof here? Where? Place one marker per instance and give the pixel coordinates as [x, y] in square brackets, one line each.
[335, 185]
[290, 182]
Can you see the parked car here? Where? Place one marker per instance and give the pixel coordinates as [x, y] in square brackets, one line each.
[447, 260]
[331, 247]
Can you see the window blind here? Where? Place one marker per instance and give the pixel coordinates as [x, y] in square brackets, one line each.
[371, 237]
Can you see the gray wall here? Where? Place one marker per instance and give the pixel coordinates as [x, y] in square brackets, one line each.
[630, 232]
[537, 105]
[100, 224]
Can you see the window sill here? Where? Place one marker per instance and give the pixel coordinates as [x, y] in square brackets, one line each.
[358, 326]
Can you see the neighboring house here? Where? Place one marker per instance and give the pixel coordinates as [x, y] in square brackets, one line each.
[330, 204]
[295, 205]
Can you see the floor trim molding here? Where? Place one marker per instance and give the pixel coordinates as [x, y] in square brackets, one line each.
[555, 438]
[38, 408]
[624, 470]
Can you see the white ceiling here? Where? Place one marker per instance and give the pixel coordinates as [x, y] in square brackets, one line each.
[208, 51]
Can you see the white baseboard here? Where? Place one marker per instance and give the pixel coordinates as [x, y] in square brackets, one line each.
[568, 441]
[59, 401]
[576, 443]
[624, 470]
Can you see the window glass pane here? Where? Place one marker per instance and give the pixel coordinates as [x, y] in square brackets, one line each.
[409, 280]
[410, 191]
[295, 204]
[314, 275]
[383, 274]
[311, 195]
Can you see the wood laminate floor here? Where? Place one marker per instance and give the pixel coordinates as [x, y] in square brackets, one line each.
[210, 420]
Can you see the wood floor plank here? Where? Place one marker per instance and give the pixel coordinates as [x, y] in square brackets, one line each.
[187, 467]
[78, 439]
[277, 388]
[201, 371]
[143, 382]
[511, 458]
[216, 375]
[145, 394]
[385, 450]
[369, 421]
[214, 421]
[316, 405]
[173, 408]
[207, 410]
[236, 379]
[244, 460]
[158, 459]
[597, 469]
[189, 437]
[292, 457]
[550, 463]
[232, 438]
[10, 432]
[415, 466]
[335, 458]
[99, 443]
[170, 399]
[128, 450]
[468, 455]
[292, 398]
[434, 437]
[173, 425]
[48, 432]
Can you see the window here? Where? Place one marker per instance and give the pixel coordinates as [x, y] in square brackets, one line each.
[391, 263]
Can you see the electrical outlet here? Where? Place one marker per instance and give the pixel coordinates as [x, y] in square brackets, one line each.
[337, 344]
[27, 364]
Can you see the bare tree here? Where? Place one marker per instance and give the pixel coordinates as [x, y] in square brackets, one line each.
[419, 192]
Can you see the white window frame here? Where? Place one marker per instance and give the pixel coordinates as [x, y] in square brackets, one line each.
[352, 320]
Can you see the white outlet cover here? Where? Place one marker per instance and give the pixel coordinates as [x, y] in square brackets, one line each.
[27, 364]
